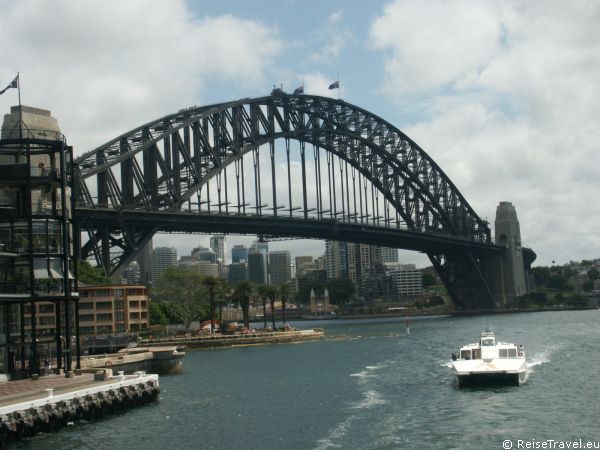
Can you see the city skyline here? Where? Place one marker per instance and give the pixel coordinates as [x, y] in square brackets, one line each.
[488, 105]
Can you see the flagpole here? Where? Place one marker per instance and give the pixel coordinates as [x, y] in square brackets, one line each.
[339, 88]
[20, 109]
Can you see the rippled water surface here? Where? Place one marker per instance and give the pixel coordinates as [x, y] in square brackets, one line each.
[367, 386]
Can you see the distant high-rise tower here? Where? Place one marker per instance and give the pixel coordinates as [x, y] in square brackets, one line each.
[389, 255]
[336, 259]
[162, 257]
[258, 267]
[217, 245]
[239, 253]
[280, 267]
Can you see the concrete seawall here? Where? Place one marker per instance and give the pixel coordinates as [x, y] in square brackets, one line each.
[233, 340]
[33, 407]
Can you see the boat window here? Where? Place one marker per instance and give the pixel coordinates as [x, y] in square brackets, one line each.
[512, 352]
[477, 353]
[465, 354]
[487, 342]
[503, 353]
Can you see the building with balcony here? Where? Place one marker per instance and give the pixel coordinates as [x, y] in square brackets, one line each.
[38, 291]
[108, 309]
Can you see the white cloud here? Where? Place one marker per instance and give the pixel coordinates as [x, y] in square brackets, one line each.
[104, 68]
[515, 116]
[433, 43]
[336, 37]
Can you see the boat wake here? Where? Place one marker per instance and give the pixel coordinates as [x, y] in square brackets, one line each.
[542, 357]
[370, 399]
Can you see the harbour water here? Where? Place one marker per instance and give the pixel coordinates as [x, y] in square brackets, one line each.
[368, 386]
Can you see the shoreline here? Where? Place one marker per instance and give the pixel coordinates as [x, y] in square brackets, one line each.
[444, 313]
[238, 340]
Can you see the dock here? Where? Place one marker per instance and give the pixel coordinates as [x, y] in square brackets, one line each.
[161, 360]
[31, 406]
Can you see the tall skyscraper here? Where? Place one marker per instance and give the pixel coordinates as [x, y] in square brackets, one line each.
[162, 257]
[303, 263]
[280, 267]
[204, 254]
[336, 259]
[258, 267]
[389, 255]
[217, 245]
[239, 253]
[237, 272]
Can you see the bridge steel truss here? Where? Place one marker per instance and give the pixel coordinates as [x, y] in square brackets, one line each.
[200, 170]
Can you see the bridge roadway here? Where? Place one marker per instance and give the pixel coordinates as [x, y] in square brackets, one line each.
[311, 228]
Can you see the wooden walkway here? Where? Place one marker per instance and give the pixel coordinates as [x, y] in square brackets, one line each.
[25, 390]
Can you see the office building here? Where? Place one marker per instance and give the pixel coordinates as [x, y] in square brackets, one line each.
[336, 259]
[237, 272]
[258, 269]
[217, 245]
[406, 279]
[162, 257]
[239, 253]
[280, 267]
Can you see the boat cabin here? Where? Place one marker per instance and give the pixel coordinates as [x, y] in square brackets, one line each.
[489, 348]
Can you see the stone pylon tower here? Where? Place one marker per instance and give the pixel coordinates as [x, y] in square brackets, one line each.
[510, 272]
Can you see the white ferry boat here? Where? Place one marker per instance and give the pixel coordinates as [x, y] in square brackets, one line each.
[489, 362]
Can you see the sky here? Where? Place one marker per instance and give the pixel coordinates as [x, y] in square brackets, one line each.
[504, 95]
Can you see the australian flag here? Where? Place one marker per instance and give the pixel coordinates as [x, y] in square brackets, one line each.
[334, 85]
[14, 84]
[299, 90]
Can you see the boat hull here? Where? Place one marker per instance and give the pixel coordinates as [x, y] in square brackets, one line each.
[491, 379]
[496, 372]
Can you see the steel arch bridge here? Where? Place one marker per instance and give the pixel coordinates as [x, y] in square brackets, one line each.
[281, 165]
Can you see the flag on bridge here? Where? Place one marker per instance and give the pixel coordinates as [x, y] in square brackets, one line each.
[299, 90]
[334, 85]
[13, 84]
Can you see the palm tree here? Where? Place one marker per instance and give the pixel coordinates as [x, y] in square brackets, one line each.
[213, 285]
[285, 292]
[242, 294]
[267, 292]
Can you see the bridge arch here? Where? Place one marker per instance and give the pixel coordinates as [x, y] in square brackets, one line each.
[162, 165]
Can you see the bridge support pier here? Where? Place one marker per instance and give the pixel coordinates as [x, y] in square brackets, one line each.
[466, 278]
[509, 271]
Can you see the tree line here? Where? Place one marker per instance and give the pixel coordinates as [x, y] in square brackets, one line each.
[184, 296]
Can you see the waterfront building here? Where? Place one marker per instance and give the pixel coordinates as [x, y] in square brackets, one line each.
[37, 243]
[111, 309]
[239, 253]
[162, 257]
[280, 267]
